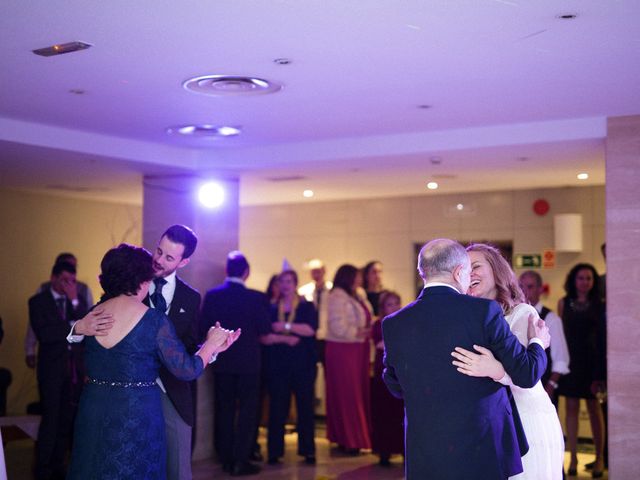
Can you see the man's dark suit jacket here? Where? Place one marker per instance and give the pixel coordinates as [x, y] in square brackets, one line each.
[456, 426]
[184, 316]
[235, 306]
[51, 331]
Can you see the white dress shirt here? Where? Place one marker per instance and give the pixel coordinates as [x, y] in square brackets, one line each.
[559, 349]
[168, 291]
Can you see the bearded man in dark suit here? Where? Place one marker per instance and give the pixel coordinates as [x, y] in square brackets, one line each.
[171, 295]
[457, 427]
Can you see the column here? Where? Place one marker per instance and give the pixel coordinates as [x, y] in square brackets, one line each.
[173, 199]
[623, 299]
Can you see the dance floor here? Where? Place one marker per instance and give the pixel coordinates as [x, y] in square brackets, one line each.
[331, 464]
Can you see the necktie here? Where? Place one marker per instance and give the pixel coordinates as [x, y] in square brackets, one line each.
[318, 297]
[61, 304]
[159, 303]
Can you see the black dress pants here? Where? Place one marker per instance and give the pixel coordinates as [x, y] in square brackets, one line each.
[56, 426]
[235, 415]
[281, 385]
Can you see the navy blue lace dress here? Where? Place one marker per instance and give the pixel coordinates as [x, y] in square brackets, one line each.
[119, 431]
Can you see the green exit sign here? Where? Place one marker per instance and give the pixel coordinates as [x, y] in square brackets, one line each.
[533, 260]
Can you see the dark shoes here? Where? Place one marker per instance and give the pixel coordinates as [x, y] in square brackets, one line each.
[256, 456]
[310, 459]
[594, 473]
[384, 461]
[242, 469]
[273, 461]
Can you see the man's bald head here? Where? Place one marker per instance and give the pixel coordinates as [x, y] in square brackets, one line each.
[445, 260]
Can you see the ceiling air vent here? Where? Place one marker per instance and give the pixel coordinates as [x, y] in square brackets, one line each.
[230, 85]
[287, 178]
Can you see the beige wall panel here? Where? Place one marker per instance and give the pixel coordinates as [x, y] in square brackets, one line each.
[36, 228]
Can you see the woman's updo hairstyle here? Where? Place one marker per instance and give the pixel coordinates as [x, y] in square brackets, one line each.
[123, 269]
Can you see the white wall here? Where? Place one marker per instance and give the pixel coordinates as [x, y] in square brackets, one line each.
[357, 231]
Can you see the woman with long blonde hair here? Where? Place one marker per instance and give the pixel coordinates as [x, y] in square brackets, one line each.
[493, 278]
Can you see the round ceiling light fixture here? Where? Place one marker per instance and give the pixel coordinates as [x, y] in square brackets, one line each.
[432, 185]
[307, 193]
[583, 176]
[205, 131]
[230, 85]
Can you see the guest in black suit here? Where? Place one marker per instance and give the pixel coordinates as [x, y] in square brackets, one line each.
[456, 427]
[169, 294]
[59, 367]
[237, 374]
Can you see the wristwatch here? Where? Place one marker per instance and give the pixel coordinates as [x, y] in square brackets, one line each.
[553, 384]
[287, 328]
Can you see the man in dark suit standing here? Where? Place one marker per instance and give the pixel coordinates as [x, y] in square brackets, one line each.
[456, 427]
[237, 374]
[169, 294]
[59, 367]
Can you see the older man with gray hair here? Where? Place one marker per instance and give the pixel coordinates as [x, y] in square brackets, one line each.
[457, 427]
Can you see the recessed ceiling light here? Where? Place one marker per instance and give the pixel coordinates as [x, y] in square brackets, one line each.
[60, 48]
[207, 131]
[435, 160]
[583, 176]
[413, 27]
[567, 16]
[444, 176]
[523, 159]
[230, 85]
[432, 185]
[307, 193]
[460, 206]
[283, 61]
[424, 106]
[77, 91]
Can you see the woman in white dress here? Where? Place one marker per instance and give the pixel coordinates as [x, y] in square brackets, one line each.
[492, 278]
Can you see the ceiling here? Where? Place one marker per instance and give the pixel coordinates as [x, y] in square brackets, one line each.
[518, 98]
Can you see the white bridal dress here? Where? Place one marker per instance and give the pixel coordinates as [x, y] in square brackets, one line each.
[544, 460]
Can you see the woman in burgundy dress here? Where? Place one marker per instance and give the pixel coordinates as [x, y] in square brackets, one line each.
[347, 363]
[387, 411]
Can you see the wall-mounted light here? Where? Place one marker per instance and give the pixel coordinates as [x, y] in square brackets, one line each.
[211, 195]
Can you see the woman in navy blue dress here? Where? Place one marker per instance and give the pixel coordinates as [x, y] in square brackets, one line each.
[290, 367]
[119, 431]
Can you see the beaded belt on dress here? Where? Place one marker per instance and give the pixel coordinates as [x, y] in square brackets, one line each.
[120, 384]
